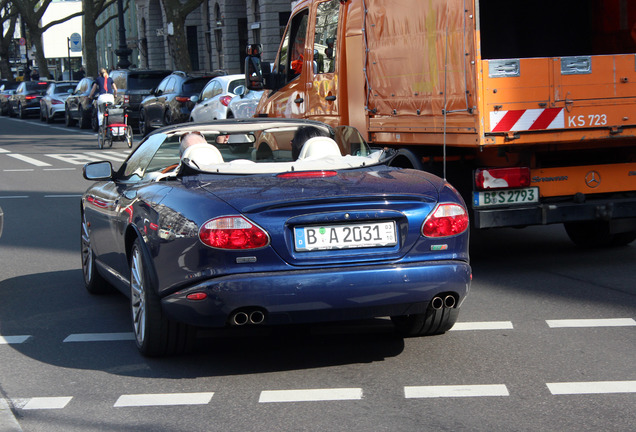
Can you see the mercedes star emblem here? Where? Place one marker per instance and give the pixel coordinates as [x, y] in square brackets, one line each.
[593, 179]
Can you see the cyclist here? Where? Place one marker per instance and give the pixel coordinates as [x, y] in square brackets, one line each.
[107, 90]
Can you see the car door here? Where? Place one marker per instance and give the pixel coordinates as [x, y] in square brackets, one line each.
[109, 207]
[152, 104]
[292, 67]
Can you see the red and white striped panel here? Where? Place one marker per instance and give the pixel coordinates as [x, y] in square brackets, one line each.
[527, 120]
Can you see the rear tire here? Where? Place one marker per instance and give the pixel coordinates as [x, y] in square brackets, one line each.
[595, 234]
[155, 334]
[431, 322]
[144, 127]
[82, 120]
[68, 120]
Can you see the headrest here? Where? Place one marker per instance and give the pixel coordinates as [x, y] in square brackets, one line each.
[319, 147]
[202, 154]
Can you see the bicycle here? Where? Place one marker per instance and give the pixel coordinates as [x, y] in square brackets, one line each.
[119, 130]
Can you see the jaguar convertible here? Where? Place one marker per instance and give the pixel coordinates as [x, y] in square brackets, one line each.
[239, 230]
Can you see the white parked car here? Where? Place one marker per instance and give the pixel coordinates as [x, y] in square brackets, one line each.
[52, 103]
[212, 103]
[243, 105]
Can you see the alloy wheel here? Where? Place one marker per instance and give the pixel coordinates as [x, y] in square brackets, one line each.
[138, 295]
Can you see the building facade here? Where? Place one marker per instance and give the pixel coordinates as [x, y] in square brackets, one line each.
[217, 33]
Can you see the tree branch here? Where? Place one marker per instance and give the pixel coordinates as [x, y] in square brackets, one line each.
[61, 20]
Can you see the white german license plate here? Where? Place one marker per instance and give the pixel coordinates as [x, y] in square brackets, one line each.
[345, 236]
[506, 197]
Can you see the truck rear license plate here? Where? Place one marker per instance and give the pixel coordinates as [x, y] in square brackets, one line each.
[506, 197]
[372, 234]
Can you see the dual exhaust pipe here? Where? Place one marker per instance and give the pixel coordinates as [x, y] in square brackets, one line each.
[443, 301]
[243, 317]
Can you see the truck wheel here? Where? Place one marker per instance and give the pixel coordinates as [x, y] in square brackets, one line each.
[405, 158]
[593, 234]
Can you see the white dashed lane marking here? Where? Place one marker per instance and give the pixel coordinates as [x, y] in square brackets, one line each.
[41, 403]
[611, 322]
[310, 395]
[592, 387]
[482, 325]
[99, 337]
[8, 340]
[28, 160]
[163, 399]
[451, 391]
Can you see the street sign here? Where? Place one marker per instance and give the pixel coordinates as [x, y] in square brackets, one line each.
[22, 41]
[76, 42]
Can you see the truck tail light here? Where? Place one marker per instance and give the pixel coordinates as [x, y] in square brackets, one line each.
[501, 178]
[126, 99]
[447, 219]
[232, 232]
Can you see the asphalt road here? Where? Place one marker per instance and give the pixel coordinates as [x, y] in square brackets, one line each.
[546, 340]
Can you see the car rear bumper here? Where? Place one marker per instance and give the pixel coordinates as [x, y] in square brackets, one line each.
[334, 294]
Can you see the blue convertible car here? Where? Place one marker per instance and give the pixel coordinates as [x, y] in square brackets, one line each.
[214, 225]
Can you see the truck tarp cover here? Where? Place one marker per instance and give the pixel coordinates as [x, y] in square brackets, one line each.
[416, 58]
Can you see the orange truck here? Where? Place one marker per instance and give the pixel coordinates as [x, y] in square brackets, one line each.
[527, 108]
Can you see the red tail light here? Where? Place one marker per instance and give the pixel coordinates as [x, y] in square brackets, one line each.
[232, 232]
[308, 174]
[446, 220]
[225, 100]
[500, 178]
[126, 99]
[182, 99]
[56, 102]
[30, 97]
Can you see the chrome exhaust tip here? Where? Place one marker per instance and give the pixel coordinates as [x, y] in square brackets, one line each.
[437, 303]
[449, 301]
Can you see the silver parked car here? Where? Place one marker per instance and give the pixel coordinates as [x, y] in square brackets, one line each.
[52, 103]
[212, 103]
[243, 105]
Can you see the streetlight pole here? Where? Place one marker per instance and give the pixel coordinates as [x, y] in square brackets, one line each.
[123, 51]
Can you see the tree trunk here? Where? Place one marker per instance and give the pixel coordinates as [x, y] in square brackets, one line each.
[90, 39]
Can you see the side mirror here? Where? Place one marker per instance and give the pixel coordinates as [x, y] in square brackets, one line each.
[240, 91]
[98, 171]
[194, 99]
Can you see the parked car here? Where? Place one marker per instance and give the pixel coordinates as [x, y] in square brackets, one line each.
[214, 99]
[243, 105]
[26, 98]
[6, 90]
[52, 103]
[217, 238]
[78, 107]
[170, 103]
[133, 85]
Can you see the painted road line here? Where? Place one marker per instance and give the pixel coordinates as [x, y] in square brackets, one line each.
[592, 387]
[482, 325]
[59, 169]
[310, 395]
[74, 158]
[4, 150]
[19, 170]
[14, 196]
[63, 196]
[11, 340]
[8, 422]
[165, 399]
[28, 160]
[107, 154]
[450, 391]
[611, 322]
[42, 403]
[99, 337]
